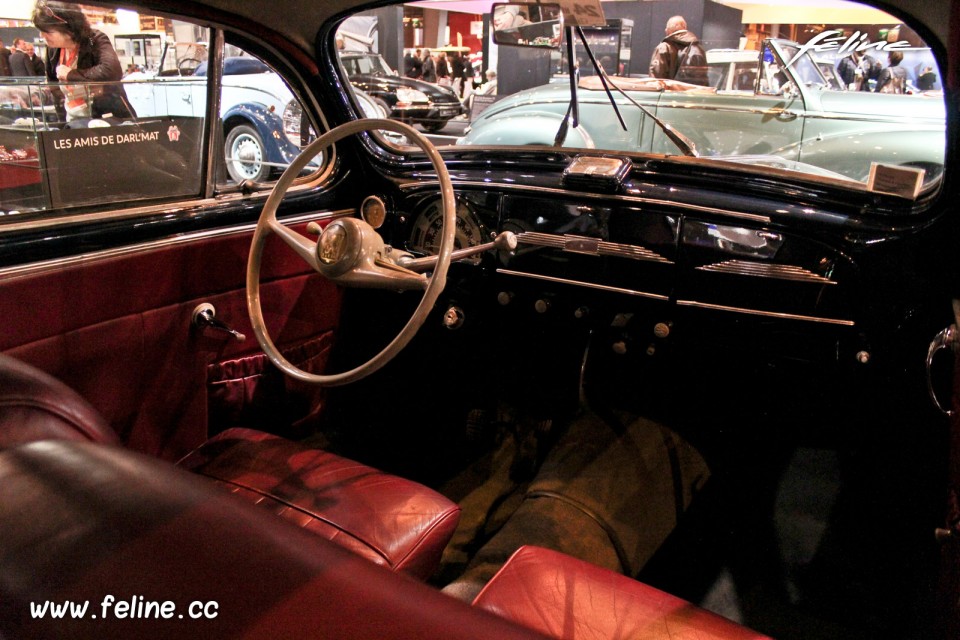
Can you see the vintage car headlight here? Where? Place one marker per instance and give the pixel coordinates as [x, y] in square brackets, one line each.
[292, 114]
[409, 96]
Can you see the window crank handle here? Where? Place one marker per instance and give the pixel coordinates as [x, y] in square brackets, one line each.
[205, 317]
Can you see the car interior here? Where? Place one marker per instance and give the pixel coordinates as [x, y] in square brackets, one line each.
[271, 367]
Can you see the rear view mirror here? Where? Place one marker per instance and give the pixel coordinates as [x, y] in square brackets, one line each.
[528, 24]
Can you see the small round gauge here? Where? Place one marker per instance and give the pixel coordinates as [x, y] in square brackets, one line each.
[373, 211]
[425, 233]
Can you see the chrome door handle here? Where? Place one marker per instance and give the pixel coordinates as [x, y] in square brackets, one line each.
[949, 338]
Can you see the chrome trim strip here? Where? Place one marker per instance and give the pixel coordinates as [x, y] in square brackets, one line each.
[766, 270]
[35, 268]
[596, 196]
[589, 285]
[810, 115]
[8, 222]
[590, 246]
[773, 111]
[758, 312]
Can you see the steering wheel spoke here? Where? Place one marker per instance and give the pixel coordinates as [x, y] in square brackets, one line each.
[350, 252]
[302, 246]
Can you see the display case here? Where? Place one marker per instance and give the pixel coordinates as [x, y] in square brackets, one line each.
[610, 46]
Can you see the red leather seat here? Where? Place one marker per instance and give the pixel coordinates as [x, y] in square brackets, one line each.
[567, 598]
[36, 406]
[389, 520]
[106, 526]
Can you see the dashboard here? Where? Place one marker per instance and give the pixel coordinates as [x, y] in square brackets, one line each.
[648, 272]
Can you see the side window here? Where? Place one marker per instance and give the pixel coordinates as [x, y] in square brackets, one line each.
[262, 121]
[142, 135]
[136, 134]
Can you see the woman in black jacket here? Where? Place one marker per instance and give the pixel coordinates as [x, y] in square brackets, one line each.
[79, 54]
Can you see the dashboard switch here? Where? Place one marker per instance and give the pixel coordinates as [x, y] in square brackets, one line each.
[542, 305]
[661, 330]
[504, 298]
[453, 318]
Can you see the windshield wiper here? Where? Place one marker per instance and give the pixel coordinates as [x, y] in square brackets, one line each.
[573, 109]
[682, 142]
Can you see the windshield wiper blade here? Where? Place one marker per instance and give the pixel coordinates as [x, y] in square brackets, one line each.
[685, 144]
[573, 109]
[602, 74]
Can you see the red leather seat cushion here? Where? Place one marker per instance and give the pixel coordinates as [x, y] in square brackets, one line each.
[36, 406]
[390, 520]
[567, 598]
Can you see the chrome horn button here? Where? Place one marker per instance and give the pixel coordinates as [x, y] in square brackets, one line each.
[339, 247]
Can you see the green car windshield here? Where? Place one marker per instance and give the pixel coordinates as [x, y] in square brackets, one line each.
[761, 84]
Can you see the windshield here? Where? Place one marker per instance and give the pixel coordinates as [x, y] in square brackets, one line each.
[827, 98]
[804, 67]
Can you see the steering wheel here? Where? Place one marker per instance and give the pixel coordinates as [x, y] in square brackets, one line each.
[187, 66]
[350, 252]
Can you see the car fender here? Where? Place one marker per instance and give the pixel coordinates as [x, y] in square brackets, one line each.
[268, 124]
[851, 153]
[527, 128]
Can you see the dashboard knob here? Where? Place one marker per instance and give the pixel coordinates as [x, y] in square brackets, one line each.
[504, 298]
[542, 305]
[581, 312]
[863, 357]
[661, 329]
[453, 318]
[619, 347]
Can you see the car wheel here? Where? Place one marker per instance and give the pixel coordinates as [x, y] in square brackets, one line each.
[244, 152]
[433, 127]
[384, 107]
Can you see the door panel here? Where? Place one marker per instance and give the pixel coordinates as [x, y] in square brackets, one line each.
[950, 533]
[119, 330]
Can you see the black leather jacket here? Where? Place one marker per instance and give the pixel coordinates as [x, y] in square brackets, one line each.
[669, 61]
[97, 61]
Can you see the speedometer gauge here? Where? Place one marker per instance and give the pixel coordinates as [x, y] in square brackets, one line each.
[425, 233]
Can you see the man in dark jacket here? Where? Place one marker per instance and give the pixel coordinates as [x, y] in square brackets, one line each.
[4, 60]
[679, 56]
[24, 62]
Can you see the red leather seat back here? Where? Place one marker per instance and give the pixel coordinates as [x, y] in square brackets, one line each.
[36, 406]
[570, 599]
[83, 521]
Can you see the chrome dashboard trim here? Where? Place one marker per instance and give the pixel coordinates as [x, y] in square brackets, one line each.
[590, 246]
[20, 271]
[766, 270]
[769, 314]
[595, 196]
[589, 285]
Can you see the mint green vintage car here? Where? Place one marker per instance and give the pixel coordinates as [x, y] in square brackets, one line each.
[775, 103]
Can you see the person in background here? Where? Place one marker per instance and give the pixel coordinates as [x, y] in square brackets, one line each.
[4, 60]
[412, 65]
[443, 70]
[679, 56]
[893, 79]
[35, 61]
[926, 79]
[24, 62]
[488, 88]
[456, 73]
[857, 69]
[76, 54]
[429, 68]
